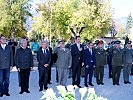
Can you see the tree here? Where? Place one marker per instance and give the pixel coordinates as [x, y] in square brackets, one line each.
[129, 24]
[13, 15]
[120, 29]
[74, 15]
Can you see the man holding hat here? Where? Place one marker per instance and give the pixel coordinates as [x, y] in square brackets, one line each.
[101, 60]
[117, 62]
[128, 61]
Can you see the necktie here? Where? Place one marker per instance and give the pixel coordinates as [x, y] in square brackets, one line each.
[45, 51]
[91, 51]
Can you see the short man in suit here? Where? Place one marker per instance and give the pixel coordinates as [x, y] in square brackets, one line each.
[89, 63]
[24, 64]
[6, 63]
[77, 61]
[63, 62]
[128, 61]
[44, 59]
[101, 60]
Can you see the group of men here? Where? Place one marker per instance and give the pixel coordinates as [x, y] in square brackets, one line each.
[73, 56]
[93, 57]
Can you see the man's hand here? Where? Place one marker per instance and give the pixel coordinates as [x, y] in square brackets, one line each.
[46, 65]
[87, 66]
[31, 68]
[19, 69]
[11, 68]
[82, 64]
[69, 66]
[80, 49]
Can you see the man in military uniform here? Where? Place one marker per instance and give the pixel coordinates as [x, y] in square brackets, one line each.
[68, 45]
[117, 62]
[100, 62]
[128, 61]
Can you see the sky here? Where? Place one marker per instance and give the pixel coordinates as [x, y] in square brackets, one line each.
[122, 8]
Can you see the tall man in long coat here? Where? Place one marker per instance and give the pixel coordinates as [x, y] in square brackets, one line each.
[77, 61]
[44, 59]
[24, 64]
[6, 63]
[63, 62]
[128, 61]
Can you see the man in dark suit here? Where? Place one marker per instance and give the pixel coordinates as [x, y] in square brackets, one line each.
[51, 63]
[6, 63]
[44, 59]
[89, 63]
[24, 64]
[77, 61]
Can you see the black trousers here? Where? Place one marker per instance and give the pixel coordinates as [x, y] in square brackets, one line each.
[43, 78]
[88, 71]
[76, 71]
[110, 69]
[24, 79]
[49, 73]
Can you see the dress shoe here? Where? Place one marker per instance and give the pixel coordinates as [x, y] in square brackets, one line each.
[86, 85]
[79, 86]
[7, 94]
[117, 84]
[45, 88]
[21, 92]
[49, 83]
[41, 89]
[131, 74]
[69, 76]
[102, 83]
[113, 83]
[128, 82]
[27, 91]
[91, 84]
[98, 83]
[125, 82]
[1, 94]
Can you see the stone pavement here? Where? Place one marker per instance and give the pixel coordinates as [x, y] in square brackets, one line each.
[122, 92]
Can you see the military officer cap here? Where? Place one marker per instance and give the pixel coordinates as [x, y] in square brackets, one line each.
[117, 42]
[100, 42]
[129, 42]
[112, 42]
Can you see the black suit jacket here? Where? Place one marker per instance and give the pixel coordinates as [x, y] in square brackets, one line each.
[43, 59]
[6, 57]
[77, 56]
[24, 58]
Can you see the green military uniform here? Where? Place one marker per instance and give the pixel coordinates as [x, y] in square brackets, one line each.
[127, 61]
[101, 60]
[117, 62]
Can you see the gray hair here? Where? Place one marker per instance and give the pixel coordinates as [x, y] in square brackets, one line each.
[23, 40]
[45, 41]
